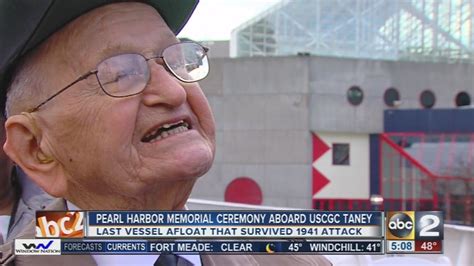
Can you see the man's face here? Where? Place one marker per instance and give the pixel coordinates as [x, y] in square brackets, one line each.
[99, 140]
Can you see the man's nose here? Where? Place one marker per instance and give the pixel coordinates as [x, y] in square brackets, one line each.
[163, 88]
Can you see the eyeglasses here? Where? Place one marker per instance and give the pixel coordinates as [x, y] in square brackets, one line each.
[128, 74]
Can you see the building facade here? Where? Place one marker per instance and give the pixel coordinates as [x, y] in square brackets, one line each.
[316, 132]
[326, 104]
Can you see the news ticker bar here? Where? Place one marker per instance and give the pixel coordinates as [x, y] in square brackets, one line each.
[405, 231]
[210, 224]
[140, 247]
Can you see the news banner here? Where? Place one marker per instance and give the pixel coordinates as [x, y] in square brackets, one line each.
[234, 232]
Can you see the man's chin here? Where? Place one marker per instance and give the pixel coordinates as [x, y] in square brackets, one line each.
[193, 164]
[180, 164]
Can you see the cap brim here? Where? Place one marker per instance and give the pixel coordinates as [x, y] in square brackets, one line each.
[175, 13]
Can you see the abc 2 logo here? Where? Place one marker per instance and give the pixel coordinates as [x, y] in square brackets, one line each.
[62, 224]
[414, 225]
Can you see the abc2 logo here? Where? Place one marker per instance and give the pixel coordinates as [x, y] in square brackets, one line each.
[414, 225]
[62, 224]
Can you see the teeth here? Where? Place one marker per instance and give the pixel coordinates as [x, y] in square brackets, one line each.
[166, 130]
[170, 132]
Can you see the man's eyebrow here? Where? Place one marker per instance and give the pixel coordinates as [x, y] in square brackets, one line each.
[113, 48]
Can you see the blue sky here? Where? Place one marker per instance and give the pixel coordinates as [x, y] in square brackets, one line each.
[215, 19]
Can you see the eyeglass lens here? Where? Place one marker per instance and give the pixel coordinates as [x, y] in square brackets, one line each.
[128, 74]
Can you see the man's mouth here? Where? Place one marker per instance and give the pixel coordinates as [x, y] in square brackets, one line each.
[166, 130]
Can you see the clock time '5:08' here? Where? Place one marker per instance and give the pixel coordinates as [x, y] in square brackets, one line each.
[401, 246]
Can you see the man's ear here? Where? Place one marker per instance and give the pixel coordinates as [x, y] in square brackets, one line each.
[26, 147]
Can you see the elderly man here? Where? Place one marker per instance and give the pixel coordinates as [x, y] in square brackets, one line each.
[104, 111]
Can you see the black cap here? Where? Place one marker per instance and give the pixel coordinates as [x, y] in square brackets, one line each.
[26, 23]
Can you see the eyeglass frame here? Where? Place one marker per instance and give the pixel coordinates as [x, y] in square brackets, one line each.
[95, 71]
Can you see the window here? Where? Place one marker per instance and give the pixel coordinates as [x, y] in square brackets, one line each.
[355, 95]
[427, 99]
[463, 99]
[391, 97]
[340, 154]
